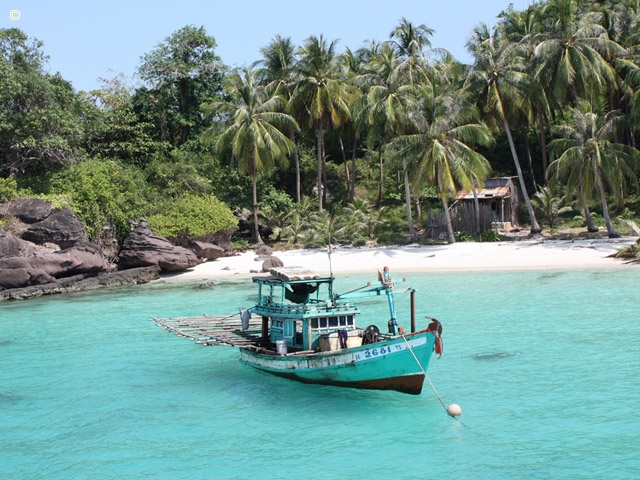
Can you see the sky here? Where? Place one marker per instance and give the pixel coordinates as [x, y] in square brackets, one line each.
[92, 39]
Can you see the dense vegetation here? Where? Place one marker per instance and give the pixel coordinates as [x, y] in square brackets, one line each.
[352, 145]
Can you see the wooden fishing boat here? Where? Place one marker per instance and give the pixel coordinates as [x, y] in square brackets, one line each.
[301, 329]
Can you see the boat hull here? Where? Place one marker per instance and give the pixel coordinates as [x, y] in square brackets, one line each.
[397, 364]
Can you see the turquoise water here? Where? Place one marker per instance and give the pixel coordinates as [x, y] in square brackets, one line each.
[545, 366]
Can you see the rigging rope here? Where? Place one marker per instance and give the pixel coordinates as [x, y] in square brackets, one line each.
[427, 377]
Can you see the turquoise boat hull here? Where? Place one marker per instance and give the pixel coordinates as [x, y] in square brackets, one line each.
[399, 364]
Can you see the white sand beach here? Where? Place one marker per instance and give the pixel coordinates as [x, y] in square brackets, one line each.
[465, 256]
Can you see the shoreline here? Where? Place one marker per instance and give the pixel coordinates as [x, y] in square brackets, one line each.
[458, 257]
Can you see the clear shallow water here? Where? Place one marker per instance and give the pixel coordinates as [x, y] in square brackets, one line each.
[544, 364]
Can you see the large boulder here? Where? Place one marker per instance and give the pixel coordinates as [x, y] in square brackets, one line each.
[27, 209]
[206, 250]
[12, 246]
[62, 227]
[143, 248]
[18, 271]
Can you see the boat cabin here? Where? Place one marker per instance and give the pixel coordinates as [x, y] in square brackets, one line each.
[301, 312]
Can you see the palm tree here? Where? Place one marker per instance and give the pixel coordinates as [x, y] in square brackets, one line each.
[279, 63]
[502, 80]
[256, 135]
[572, 51]
[388, 105]
[323, 93]
[591, 160]
[446, 133]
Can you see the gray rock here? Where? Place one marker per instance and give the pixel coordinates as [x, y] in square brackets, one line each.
[143, 248]
[12, 246]
[61, 227]
[271, 262]
[206, 250]
[27, 209]
[35, 270]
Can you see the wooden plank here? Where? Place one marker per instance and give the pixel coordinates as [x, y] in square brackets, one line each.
[213, 330]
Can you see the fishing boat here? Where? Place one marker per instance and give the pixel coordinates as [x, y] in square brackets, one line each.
[299, 328]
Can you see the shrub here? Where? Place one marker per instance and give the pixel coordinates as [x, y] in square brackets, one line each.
[193, 216]
[8, 188]
[464, 237]
[490, 236]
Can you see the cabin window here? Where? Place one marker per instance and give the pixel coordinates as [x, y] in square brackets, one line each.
[333, 322]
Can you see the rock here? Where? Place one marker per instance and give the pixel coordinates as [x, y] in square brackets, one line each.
[12, 246]
[271, 262]
[206, 250]
[19, 271]
[143, 248]
[27, 209]
[264, 251]
[61, 227]
[80, 283]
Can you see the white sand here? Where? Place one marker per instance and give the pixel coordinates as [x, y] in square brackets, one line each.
[518, 255]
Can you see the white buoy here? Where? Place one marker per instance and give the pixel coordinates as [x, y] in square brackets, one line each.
[454, 410]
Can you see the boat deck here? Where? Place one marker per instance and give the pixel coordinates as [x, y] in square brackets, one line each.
[214, 330]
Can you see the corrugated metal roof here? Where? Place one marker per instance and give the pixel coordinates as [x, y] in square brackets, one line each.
[502, 192]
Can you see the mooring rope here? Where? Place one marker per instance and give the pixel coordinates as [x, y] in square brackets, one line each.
[427, 376]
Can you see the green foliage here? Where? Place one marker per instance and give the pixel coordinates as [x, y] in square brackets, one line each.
[8, 188]
[40, 114]
[103, 194]
[114, 129]
[549, 207]
[192, 215]
[182, 73]
[490, 236]
[176, 174]
[464, 237]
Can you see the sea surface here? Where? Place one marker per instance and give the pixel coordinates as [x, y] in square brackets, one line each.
[545, 365]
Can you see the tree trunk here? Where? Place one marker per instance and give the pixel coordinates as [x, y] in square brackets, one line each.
[530, 161]
[346, 165]
[611, 232]
[476, 205]
[535, 228]
[380, 187]
[407, 199]
[352, 191]
[296, 160]
[543, 146]
[591, 226]
[320, 148]
[451, 238]
[256, 224]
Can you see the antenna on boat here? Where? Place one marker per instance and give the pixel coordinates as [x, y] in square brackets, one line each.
[329, 253]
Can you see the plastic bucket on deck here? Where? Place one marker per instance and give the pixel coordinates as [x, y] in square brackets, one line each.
[281, 347]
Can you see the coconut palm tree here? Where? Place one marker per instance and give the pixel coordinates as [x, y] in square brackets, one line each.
[256, 137]
[323, 93]
[388, 105]
[500, 78]
[572, 52]
[447, 130]
[589, 159]
[279, 72]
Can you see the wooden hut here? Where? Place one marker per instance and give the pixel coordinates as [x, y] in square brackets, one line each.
[499, 201]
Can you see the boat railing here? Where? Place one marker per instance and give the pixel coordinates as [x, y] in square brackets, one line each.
[304, 308]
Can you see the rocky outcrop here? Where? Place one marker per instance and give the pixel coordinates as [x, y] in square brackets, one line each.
[61, 227]
[35, 268]
[80, 283]
[48, 245]
[45, 246]
[205, 250]
[26, 209]
[143, 248]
